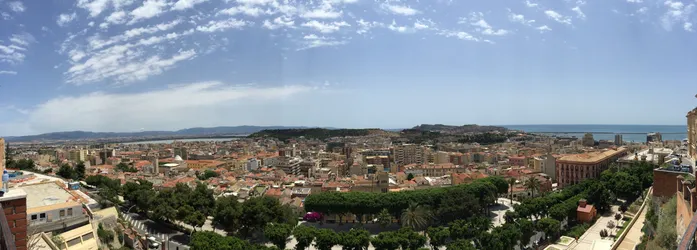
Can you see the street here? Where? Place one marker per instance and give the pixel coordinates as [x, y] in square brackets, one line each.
[170, 238]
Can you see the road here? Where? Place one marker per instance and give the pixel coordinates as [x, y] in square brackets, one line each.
[173, 239]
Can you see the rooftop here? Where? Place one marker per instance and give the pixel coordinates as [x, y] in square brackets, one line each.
[593, 157]
[45, 194]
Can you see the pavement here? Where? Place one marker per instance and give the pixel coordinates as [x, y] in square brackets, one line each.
[634, 234]
[172, 239]
[593, 233]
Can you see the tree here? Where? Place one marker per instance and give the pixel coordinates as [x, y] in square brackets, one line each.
[304, 235]
[105, 236]
[66, 171]
[533, 185]
[527, 228]
[415, 216]
[355, 239]
[550, 227]
[461, 245]
[325, 239]
[438, 236]
[511, 183]
[209, 240]
[227, 213]
[384, 218]
[207, 174]
[598, 195]
[80, 171]
[386, 241]
[410, 176]
[611, 225]
[626, 186]
[278, 234]
[409, 239]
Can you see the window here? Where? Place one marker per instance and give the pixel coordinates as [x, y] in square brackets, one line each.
[62, 213]
[74, 242]
[70, 211]
[42, 216]
[33, 217]
[87, 236]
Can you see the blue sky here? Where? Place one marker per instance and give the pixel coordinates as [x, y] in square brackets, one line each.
[127, 65]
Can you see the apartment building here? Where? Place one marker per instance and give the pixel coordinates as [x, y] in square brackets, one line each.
[409, 154]
[572, 169]
[434, 170]
[692, 133]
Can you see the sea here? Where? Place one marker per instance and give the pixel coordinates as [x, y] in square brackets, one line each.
[631, 133]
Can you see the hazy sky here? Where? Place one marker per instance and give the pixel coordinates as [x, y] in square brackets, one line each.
[127, 65]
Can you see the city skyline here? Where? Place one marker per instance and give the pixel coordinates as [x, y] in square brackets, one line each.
[123, 65]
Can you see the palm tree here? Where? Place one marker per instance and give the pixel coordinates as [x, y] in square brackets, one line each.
[532, 184]
[511, 183]
[416, 217]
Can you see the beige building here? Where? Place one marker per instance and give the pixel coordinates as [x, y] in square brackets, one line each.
[434, 170]
[2, 154]
[572, 169]
[409, 154]
[692, 133]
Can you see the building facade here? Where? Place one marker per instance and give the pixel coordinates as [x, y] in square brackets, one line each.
[692, 133]
[572, 169]
[409, 154]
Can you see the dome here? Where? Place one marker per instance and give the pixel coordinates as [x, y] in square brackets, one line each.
[178, 158]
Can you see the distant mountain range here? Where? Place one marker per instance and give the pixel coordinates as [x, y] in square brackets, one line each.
[232, 131]
[189, 132]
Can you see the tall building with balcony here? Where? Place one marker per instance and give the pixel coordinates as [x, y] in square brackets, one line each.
[409, 154]
[572, 169]
[692, 133]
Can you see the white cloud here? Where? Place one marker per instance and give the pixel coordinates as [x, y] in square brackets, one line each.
[635, 1]
[518, 18]
[279, 22]
[95, 7]
[248, 10]
[16, 6]
[205, 99]
[122, 64]
[400, 9]
[325, 27]
[543, 28]
[400, 29]
[642, 10]
[149, 9]
[314, 41]
[322, 13]
[221, 25]
[96, 43]
[14, 52]
[117, 17]
[579, 13]
[558, 17]
[64, 19]
[677, 12]
[482, 26]
[186, 4]
[687, 26]
[530, 4]
[419, 25]
[460, 35]
[365, 26]
[7, 72]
